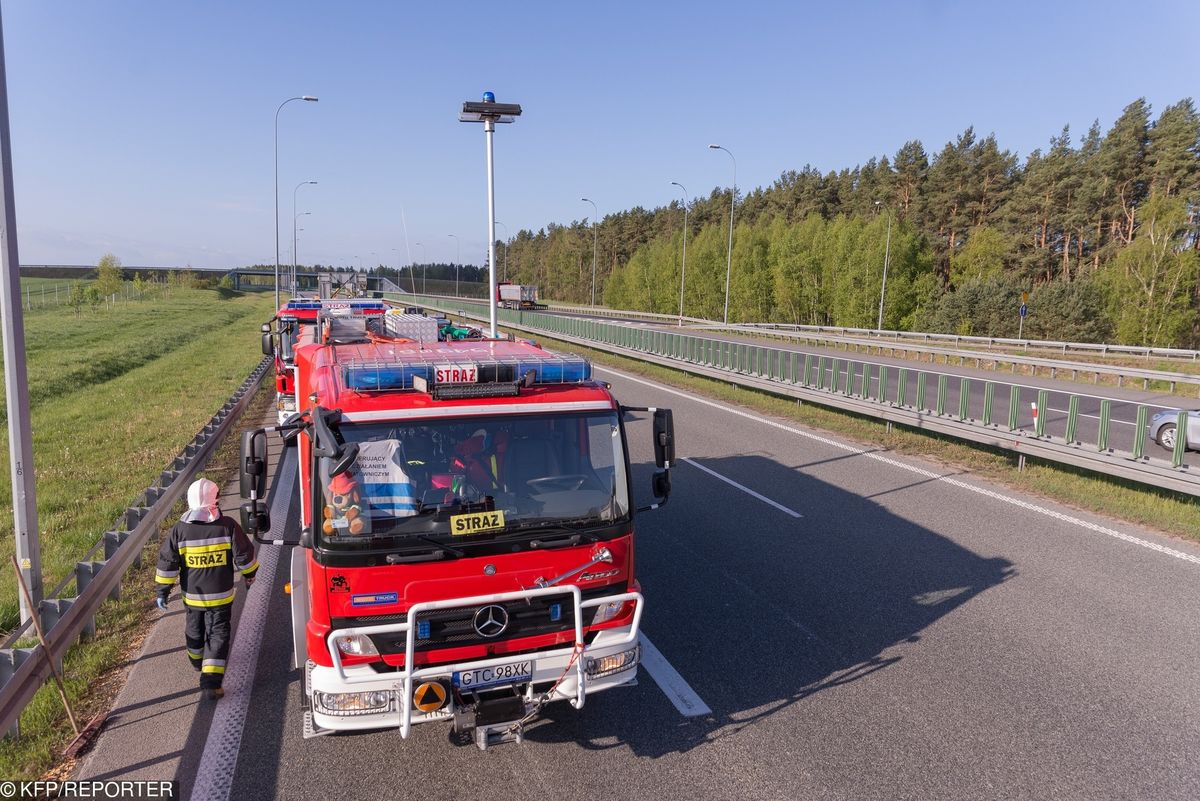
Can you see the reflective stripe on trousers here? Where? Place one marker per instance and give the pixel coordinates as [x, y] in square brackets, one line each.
[207, 631]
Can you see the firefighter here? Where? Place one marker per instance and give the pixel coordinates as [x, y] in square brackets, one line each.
[202, 552]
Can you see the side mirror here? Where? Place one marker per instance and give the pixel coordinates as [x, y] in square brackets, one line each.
[660, 484]
[289, 434]
[664, 438]
[346, 457]
[268, 345]
[255, 518]
[324, 441]
[253, 465]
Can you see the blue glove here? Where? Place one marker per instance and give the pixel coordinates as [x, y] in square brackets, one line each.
[161, 603]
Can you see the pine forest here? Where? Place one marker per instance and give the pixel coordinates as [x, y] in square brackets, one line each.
[1102, 231]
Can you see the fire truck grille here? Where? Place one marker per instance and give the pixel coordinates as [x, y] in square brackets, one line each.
[450, 628]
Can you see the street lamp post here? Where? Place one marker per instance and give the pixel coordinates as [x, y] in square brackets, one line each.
[683, 272]
[458, 258]
[887, 253]
[295, 260]
[729, 255]
[296, 242]
[28, 550]
[294, 191]
[424, 271]
[505, 227]
[400, 270]
[310, 99]
[489, 112]
[595, 241]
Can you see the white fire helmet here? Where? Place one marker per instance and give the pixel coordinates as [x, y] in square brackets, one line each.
[202, 502]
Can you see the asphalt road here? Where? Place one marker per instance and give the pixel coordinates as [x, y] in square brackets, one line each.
[1125, 401]
[910, 635]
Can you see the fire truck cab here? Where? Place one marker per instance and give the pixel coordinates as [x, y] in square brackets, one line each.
[466, 552]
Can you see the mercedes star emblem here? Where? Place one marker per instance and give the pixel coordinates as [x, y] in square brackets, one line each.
[491, 621]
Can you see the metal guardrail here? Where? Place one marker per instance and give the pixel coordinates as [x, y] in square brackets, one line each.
[24, 670]
[846, 384]
[1172, 379]
[958, 340]
[1101, 348]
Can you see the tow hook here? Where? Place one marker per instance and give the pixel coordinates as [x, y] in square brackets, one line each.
[492, 721]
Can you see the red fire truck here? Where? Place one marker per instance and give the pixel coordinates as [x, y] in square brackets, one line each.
[466, 549]
[280, 334]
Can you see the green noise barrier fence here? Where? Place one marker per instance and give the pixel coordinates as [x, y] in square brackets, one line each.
[866, 388]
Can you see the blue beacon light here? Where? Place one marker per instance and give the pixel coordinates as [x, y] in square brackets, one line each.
[489, 97]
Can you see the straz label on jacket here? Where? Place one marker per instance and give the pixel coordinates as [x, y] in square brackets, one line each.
[476, 523]
[210, 559]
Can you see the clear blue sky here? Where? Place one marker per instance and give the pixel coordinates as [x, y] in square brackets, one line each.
[145, 128]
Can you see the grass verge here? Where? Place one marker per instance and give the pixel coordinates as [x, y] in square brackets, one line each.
[143, 380]
[1168, 512]
[94, 671]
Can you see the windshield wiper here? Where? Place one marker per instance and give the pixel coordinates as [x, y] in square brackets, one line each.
[571, 528]
[448, 548]
[421, 556]
[439, 550]
[565, 542]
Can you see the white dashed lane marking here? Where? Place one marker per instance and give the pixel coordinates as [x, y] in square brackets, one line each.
[670, 682]
[743, 488]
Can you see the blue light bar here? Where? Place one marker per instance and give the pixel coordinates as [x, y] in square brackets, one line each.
[386, 377]
[559, 370]
[397, 375]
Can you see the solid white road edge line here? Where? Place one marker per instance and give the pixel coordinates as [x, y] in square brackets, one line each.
[743, 488]
[218, 763]
[670, 682]
[1187, 557]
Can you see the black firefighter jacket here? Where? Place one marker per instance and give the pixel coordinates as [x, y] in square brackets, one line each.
[202, 557]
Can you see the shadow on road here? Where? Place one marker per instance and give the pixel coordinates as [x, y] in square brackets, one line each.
[760, 611]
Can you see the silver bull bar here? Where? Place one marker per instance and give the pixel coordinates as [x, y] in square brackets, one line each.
[407, 675]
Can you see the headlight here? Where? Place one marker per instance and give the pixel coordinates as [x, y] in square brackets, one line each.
[607, 665]
[353, 703]
[356, 645]
[606, 612]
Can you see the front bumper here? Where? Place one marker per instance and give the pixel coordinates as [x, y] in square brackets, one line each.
[574, 683]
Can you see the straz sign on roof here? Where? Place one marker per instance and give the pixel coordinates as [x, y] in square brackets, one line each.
[455, 374]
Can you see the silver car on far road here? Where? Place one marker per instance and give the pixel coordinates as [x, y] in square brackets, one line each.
[1162, 429]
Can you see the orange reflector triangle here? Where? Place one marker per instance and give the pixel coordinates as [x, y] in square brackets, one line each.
[430, 696]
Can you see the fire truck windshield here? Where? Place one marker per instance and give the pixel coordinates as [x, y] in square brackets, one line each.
[460, 481]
